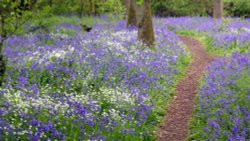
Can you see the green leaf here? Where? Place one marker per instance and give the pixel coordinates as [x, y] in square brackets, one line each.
[139, 2]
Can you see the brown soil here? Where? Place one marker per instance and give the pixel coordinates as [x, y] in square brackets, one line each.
[175, 124]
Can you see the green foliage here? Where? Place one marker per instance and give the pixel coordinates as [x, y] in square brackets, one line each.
[73, 7]
[56, 20]
[199, 7]
[239, 8]
[159, 7]
[58, 7]
[12, 18]
[52, 21]
[181, 7]
[110, 7]
[139, 2]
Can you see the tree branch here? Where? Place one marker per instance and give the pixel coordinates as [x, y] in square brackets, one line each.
[17, 27]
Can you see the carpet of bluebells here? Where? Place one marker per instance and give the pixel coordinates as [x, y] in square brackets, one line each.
[223, 101]
[228, 34]
[223, 112]
[107, 85]
[100, 85]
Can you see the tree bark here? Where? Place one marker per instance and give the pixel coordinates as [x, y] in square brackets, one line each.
[2, 65]
[91, 8]
[126, 3]
[81, 8]
[217, 9]
[2, 61]
[144, 23]
[50, 3]
[2, 38]
[131, 21]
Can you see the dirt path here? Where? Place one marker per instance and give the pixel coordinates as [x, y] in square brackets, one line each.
[175, 125]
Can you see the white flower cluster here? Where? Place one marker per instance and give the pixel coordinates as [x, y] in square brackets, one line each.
[239, 30]
[23, 102]
[59, 35]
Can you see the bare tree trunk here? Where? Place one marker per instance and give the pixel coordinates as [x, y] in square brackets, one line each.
[2, 38]
[144, 23]
[50, 3]
[217, 9]
[91, 7]
[131, 21]
[2, 65]
[81, 8]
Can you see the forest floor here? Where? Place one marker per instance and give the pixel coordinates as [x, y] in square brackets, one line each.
[179, 112]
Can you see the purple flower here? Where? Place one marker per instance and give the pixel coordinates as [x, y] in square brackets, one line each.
[222, 104]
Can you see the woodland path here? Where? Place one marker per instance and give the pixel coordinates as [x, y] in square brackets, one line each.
[179, 112]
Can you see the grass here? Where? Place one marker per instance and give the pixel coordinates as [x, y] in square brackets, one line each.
[73, 20]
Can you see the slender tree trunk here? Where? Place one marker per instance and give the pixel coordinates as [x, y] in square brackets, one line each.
[94, 8]
[2, 65]
[2, 62]
[50, 3]
[22, 5]
[81, 8]
[144, 23]
[131, 21]
[91, 11]
[217, 9]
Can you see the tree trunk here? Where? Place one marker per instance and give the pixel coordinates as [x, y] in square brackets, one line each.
[2, 65]
[217, 9]
[126, 3]
[91, 7]
[144, 23]
[50, 3]
[131, 21]
[81, 8]
[2, 38]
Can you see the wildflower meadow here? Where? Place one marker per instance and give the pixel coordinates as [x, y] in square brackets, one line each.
[64, 83]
